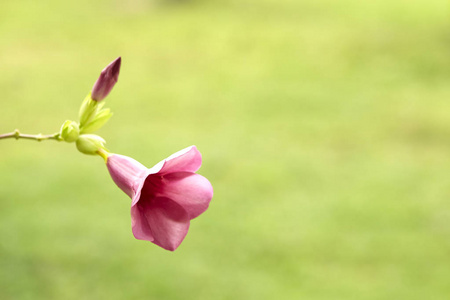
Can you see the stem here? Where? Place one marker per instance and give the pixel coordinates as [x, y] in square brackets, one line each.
[38, 137]
[104, 154]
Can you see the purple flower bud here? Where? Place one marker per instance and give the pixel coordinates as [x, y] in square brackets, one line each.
[106, 81]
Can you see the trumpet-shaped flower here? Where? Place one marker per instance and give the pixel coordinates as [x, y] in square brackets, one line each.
[165, 197]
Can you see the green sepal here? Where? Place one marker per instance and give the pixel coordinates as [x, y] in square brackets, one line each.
[98, 121]
[88, 110]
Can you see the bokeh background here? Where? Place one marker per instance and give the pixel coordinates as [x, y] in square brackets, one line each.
[324, 127]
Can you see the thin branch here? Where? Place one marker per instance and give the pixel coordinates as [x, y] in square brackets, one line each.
[38, 137]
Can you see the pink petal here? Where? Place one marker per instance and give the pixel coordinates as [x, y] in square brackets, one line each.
[168, 221]
[192, 191]
[139, 225]
[186, 160]
[126, 172]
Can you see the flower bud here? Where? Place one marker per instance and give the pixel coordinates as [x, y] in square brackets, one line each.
[107, 80]
[70, 131]
[90, 144]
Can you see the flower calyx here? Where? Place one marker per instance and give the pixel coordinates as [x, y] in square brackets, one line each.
[92, 115]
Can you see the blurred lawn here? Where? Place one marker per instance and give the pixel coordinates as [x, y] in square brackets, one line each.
[324, 128]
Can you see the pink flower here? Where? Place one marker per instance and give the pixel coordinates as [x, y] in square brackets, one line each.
[106, 81]
[164, 198]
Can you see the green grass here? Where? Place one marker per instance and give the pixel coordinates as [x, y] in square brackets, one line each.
[324, 128]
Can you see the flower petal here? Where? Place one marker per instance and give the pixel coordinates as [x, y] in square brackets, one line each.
[186, 160]
[192, 191]
[168, 221]
[139, 225]
[126, 172]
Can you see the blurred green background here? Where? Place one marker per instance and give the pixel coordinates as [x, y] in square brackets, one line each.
[324, 128]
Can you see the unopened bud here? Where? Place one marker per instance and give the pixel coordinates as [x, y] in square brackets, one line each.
[90, 144]
[107, 80]
[70, 131]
